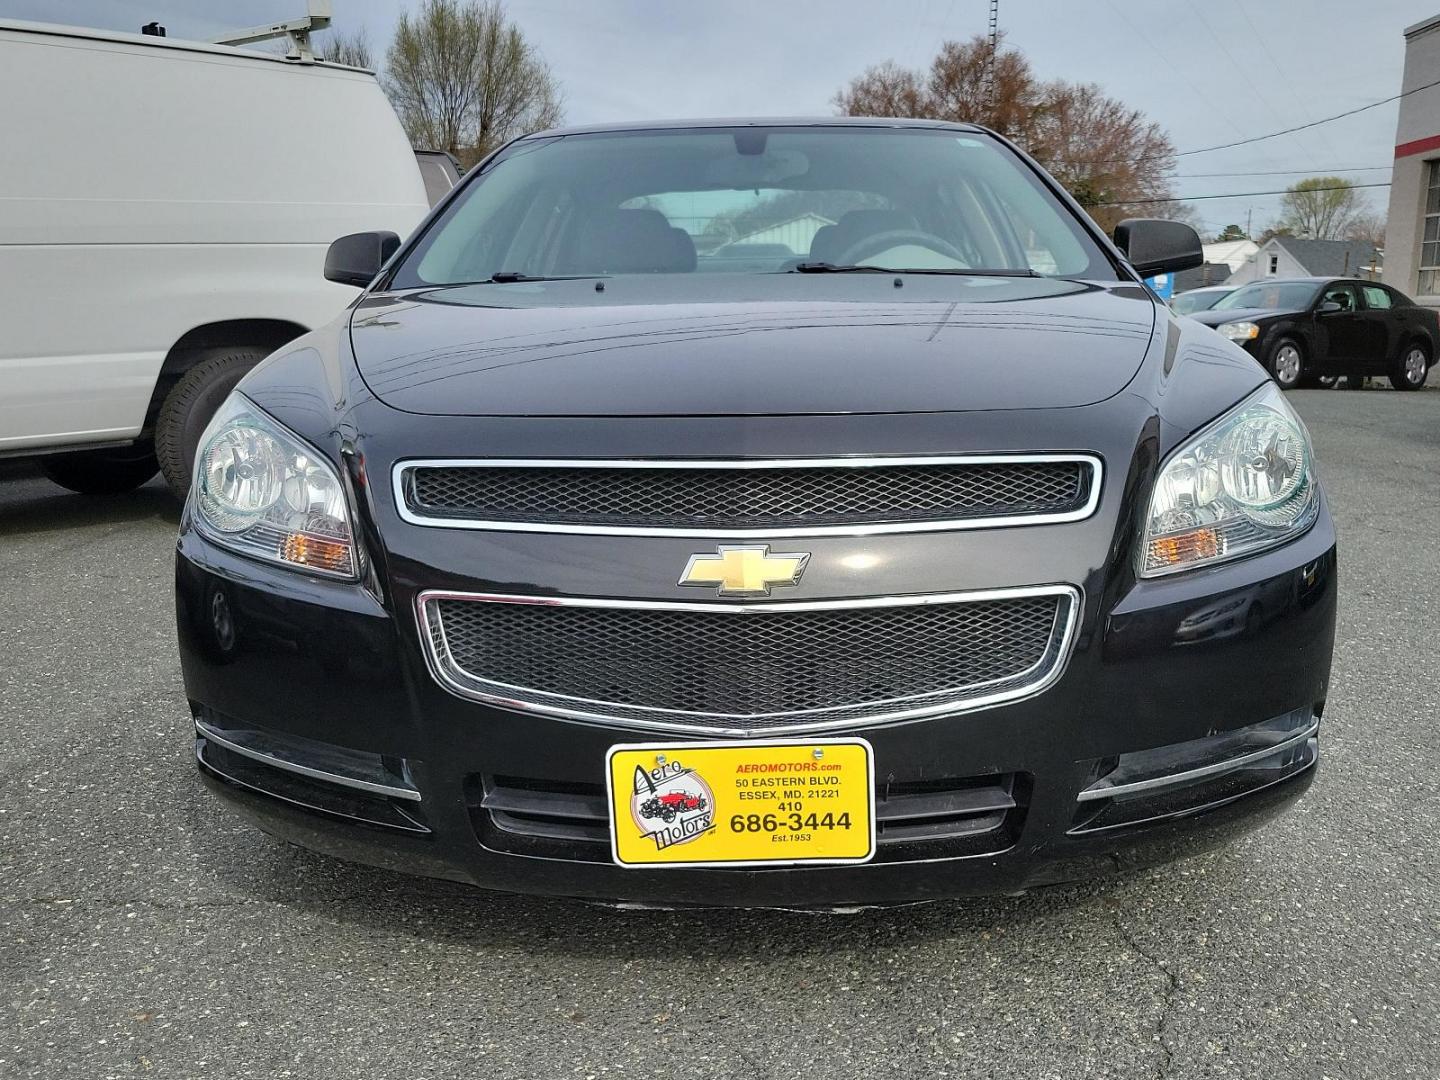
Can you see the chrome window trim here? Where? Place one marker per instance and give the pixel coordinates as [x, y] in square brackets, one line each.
[402, 507]
[455, 679]
[205, 731]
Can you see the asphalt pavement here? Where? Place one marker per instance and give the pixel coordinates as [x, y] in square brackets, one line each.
[144, 931]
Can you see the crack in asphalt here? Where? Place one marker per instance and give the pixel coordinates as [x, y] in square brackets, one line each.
[167, 905]
[1167, 999]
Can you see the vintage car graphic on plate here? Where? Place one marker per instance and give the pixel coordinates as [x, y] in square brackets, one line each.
[741, 803]
[673, 808]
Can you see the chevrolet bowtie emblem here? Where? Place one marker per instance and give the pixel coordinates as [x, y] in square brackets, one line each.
[744, 570]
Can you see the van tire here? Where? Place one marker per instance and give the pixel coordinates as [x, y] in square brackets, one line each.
[190, 405]
[102, 472]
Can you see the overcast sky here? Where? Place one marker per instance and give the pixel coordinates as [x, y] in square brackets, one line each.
[1209, 71]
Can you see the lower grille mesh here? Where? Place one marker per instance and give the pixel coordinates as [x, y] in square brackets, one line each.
[761, 668]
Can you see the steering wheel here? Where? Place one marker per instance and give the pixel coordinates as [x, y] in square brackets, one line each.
[883, 241]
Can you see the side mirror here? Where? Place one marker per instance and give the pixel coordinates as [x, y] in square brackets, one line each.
[1155, 247]
[357, 258]
[1330, 305]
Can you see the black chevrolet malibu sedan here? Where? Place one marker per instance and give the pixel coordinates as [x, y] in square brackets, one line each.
[806, 514]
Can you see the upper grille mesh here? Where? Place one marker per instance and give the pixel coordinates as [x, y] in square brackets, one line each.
[730, 498]
[751, 670]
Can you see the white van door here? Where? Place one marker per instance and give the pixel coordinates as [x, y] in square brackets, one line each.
[152, 187]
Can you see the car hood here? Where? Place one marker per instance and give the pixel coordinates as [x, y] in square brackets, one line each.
[1219, 318]
[776, 345]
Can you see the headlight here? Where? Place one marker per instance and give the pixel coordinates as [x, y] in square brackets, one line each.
[1239, 331]
[260, 490]
[1244, 484]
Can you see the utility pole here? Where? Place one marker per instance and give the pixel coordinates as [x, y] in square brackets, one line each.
[1248, 234]
[994, 48]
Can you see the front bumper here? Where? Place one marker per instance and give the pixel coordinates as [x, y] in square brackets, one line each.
[284, 671]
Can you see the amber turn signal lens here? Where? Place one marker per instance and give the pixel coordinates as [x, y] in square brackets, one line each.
[312, 551]
[1186, 547]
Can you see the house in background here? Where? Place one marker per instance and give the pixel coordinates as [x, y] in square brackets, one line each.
[1222, 259]
[1412, 228]
[1232, 253]
[796, 233]
[1291, 256]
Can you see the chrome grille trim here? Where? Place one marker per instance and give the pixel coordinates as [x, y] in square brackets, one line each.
[949, 701]
[410, 514]
[1204, 772]
[275, 761]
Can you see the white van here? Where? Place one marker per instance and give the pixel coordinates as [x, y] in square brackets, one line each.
[165, 207]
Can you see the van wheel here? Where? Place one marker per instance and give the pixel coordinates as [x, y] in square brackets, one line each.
[102, 472]
[1414, 365]
[190, 405]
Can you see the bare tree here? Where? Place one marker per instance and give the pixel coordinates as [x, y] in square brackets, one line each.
[884, 90]
[959, 80]
[1113, 159]
[1367, 227]
[464, 79]
[1320, 208]
[353, 49]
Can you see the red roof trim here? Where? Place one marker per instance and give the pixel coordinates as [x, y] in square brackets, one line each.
[1418, 146]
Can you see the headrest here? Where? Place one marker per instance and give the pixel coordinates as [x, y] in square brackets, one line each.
[832, 241]
[632, 242]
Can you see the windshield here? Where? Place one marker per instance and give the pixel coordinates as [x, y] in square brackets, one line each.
[752, 201]
[1280, 295]
[1191, 302]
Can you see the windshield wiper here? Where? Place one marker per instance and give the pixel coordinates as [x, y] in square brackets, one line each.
[832, 268]
[510, 277]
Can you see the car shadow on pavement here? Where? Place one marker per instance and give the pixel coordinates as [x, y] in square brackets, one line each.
[30, 506]
[459, 915]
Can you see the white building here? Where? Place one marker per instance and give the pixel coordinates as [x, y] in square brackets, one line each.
[795, 234]
[1232, 253]
[1412, 230]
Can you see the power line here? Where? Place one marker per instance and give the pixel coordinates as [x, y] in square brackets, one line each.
[1224, 49]
[1311, 124]
[1285, 80]
[1171, 67]
[1320, 171]
[1272, 134]
[1238, 195]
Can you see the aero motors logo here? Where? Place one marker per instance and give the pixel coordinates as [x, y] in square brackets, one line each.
[671, 804]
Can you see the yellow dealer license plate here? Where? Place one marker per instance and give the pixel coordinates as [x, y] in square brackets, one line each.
[742, 803]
